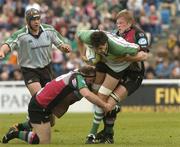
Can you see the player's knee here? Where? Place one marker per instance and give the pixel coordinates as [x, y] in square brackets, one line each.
[35, 139]
[115, 97]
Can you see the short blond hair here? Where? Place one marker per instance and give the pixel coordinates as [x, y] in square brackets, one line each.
[127, 15]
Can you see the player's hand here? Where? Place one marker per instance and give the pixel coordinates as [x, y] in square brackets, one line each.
[107, 108]
[66, 48]
[143, 56]
[2, 55]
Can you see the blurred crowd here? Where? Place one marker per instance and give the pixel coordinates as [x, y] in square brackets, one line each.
[158, 18]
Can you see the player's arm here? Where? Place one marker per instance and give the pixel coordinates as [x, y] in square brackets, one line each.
[120, 47]
[142, 41]
[9, 44]
[4, 49]
[84, 42]
[82, 48]
[90, 96]
[140, 56]
[82, 88]
[59, 41]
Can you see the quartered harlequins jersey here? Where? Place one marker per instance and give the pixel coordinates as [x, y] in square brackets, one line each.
[54, 91]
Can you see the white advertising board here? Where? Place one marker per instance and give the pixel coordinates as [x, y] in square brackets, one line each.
[14, 98]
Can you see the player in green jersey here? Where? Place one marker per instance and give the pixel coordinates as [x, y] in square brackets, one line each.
[111, 69]
[134, 74]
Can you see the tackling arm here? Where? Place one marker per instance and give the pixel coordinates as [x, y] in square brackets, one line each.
[95, 99]
[140, 56]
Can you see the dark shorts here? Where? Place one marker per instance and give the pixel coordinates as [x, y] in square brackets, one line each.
[131, 80]
[41, 75]
[38, 114]
[102, 67]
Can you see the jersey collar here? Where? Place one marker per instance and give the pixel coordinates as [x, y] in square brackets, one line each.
[35, 36]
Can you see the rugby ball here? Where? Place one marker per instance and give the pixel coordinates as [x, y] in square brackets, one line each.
[91, 56]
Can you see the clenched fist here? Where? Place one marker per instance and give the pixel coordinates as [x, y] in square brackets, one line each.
[66, 48]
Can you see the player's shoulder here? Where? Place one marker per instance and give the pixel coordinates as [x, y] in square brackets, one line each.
[140, 37]
[139, 31]
[47, 27]
[21, 31]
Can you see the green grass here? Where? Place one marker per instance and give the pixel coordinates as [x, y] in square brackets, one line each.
[140, 129]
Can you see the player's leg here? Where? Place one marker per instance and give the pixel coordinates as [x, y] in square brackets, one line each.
[110, 82]
[34, 87]
[24, 126]
[43, 131]
[131, 82]
[40, 121]
[106, 135]
[27, 136]
[100, 76]
[120, 93]
[105, 90]
[41, 134]
[35, 79]
[32, 80]
[95, 87]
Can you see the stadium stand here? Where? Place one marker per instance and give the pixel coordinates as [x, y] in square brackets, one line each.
[159, 19]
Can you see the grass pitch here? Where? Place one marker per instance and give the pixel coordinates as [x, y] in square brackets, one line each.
[140, 129]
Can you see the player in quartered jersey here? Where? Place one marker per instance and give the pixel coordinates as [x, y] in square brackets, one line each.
[42, 104]
[112, 67]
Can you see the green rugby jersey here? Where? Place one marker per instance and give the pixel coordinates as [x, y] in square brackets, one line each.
[34, 52]
[117, 46]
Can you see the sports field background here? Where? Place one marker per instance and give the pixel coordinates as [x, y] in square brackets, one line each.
[136, 129]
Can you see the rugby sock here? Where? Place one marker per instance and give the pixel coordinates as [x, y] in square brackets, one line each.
[109, 124]
[28, 136]
[25, 126]
[110, 119]
[98, 116]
